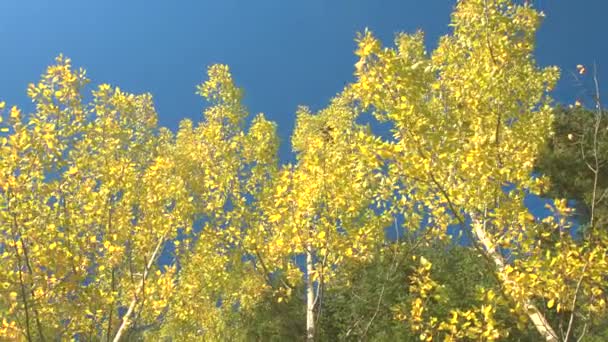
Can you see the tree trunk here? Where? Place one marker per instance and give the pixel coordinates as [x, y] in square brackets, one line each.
[538, 319]
[310, 298]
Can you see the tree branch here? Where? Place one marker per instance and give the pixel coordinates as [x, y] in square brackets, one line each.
[125, 318]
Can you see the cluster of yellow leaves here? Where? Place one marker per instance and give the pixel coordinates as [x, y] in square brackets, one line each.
[559, 269]
[477, 323]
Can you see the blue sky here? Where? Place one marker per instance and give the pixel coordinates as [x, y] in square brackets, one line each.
[283, 53]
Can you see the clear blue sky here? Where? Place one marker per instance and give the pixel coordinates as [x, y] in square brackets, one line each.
[282, 52]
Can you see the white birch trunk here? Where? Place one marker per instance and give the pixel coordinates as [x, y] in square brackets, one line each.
[538, 319]
[310, 298]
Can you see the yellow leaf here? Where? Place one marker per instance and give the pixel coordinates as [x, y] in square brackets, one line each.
[72, 171]
[550, 303]
[274, 217]
[15, 112]
[529, 217]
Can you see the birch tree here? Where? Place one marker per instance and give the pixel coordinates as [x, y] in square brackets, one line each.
[469, 120]
[227, 169]
[321, 207]
[89, 201]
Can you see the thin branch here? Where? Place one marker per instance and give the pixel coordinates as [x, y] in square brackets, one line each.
[603, 195]
[16, 228]
[125, 318]
[381, 296]
[31, 272]
[113, 281]
[23, 295]
[598, 119]
[578, 286]
[580, 338]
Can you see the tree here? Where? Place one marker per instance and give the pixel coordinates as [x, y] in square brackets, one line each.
[321, 207]
[227, 171]
[94, 193]
[567, 157]
[372, 299]
[365, 299]
[575, 160]
[90, 199]
[469, 121]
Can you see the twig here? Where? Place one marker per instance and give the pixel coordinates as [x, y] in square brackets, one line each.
[125, 318]
[578, 285]
[598, 119]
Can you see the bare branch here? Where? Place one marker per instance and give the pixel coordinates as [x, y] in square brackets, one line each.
[578, 286]
[125, 318]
